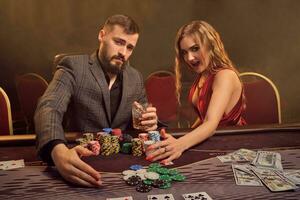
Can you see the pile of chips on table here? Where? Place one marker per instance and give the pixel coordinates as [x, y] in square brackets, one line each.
[88, 141]
[112, 141]
[106, 142]
[154, 176]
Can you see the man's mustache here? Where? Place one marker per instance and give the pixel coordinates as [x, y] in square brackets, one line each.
[119, 57]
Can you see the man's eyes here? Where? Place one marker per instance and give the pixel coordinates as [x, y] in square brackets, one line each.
[119, 42]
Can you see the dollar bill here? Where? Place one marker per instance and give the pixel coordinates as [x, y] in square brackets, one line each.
[268, 159]
[273, 179]
[244, 176]
[293, 175]
[247, 154]
[241, 155]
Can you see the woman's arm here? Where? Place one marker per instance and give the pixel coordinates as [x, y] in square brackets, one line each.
[225, 83]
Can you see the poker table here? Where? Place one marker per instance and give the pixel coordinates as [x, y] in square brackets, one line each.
[203, 171]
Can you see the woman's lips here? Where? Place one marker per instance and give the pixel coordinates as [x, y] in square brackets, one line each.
[195, 63]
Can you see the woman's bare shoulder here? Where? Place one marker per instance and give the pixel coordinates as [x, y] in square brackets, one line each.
[226, 75]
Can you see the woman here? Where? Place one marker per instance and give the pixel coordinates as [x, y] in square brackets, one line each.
[217, 93]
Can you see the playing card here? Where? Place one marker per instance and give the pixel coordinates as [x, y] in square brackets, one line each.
[121, 198]
[12, 164]
[161, 197]
[197, 195]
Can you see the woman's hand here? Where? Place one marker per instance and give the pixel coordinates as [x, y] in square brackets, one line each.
[168, 149]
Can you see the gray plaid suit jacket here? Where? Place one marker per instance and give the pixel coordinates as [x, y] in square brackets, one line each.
[79, 87]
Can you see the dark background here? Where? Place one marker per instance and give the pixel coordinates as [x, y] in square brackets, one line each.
[260, 35]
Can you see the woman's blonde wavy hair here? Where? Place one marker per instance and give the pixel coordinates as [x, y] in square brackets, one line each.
[204, 34]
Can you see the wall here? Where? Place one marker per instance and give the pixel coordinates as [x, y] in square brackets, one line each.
[261, 36]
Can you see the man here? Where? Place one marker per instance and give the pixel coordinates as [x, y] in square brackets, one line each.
[91, 93]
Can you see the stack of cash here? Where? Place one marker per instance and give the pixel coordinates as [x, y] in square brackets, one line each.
[261, 167]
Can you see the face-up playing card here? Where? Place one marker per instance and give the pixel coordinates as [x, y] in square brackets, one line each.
[12, 164]
[197, 195]
[161, 197]
[121, 198]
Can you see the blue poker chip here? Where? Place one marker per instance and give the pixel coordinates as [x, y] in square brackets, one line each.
[136, 167]
[107, 130]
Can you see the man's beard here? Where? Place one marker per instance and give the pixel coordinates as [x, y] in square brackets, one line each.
[110, 68]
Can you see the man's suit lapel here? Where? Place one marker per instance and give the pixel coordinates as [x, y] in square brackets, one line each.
[100, 78]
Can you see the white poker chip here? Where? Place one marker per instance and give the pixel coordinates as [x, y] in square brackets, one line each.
[142, 176]
[125, 178]
[129, 172]
[141, 171]
[152, 175]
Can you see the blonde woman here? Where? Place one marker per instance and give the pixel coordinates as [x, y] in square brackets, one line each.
[216, 94]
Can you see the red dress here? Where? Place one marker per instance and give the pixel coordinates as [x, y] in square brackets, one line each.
[234, 117]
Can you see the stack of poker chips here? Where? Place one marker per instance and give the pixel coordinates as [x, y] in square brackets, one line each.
[155, 176]
[117, 132]
[94, 146]
[109, 144]
[105, 142]
[143, 137]
[137, 147]
[88, 137]
[81, 141]
[126, 145]
[146, 145]
[154, 135]
[115, 144]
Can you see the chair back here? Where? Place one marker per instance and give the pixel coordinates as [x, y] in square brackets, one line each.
[6, 127]
[262, 99]
[59, 57]
[160, 89]
[30, 87]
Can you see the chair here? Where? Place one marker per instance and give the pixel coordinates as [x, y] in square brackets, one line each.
[30, 87]
[6, 127]
[262, 99]
[59, 57]
[160, 89]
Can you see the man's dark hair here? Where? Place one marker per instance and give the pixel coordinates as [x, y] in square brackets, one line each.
[129, 25]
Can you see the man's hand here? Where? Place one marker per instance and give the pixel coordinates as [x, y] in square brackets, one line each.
[149, 119]
[72, 168]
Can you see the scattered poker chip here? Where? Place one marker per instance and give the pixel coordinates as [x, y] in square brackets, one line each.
[143, 188]
[148, 182]
[154, 165]
[142, 176]
[129, 172]
[152, 175]
[155, 176]
[165, 177]
[141, 171]
[152, 170]
[125, 178]
[136, 167]
[133, 180]
[163, 170]
[173, 172]
[166, 185]
[178, 177]
[158, 183]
